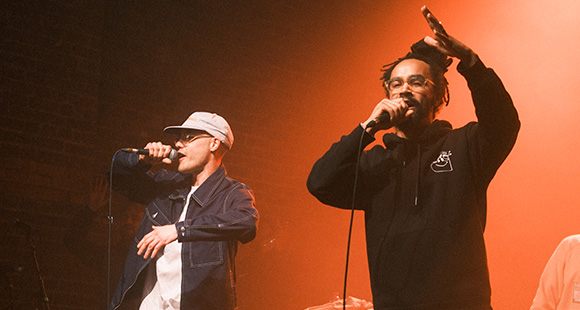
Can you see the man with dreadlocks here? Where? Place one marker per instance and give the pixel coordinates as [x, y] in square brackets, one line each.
[424, 191]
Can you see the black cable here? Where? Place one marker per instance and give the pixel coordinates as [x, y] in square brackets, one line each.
[359, 152]
[110, 231]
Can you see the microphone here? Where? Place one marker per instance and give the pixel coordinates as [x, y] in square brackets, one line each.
[173, 155]
[384, 117]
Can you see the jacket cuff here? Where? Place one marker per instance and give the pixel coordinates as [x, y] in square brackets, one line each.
[181, 231]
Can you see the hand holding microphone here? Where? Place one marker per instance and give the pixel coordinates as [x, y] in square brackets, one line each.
[384, 117]
[387, 113]
[155, 152]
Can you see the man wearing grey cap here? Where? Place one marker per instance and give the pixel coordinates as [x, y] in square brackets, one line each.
[185, 248]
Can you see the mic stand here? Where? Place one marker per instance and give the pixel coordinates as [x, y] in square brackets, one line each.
[40, 279]
[10, 287]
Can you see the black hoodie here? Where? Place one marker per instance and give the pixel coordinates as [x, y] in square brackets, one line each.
[425, 201]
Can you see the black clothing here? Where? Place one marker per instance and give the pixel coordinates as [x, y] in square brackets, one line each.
[425, 201]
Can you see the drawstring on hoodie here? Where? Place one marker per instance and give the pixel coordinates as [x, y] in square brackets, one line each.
[392, 141]
[418, 175]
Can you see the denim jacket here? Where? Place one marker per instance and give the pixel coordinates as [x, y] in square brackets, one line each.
[221, 213]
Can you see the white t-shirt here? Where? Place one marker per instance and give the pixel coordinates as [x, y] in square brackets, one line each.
[163, 283]
[559, 287]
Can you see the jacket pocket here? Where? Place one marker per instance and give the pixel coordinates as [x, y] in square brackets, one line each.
[205, 253]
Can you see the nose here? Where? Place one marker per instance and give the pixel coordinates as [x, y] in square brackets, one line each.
[179, 144]
[405, 88]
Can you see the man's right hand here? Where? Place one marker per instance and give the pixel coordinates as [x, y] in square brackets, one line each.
[397, 109]
[158, 153]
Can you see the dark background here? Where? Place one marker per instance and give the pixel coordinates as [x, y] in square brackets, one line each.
[82, 79]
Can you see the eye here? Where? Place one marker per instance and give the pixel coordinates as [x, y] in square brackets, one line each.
[186, 137]
[395, 83]
[416, 81]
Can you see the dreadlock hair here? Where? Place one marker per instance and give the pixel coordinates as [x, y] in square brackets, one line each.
[438, 63]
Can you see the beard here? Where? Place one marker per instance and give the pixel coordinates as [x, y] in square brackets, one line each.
[421, 114]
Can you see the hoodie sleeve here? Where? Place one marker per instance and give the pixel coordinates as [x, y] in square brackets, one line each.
[498, 122]
[331, 179]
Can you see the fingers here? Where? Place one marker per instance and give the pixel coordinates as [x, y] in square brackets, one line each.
[433, 22]
[396, 108]
[149, 248]
[446, 43]
[158, 152]
[152, 242]
[98, 194]
[99, 184]
[442, 41]
[149, 245]
[102, 185]
[158, 149]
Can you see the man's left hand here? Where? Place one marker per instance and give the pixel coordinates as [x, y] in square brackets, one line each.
[156, 239]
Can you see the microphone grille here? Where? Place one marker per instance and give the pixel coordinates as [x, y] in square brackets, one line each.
[173, 155]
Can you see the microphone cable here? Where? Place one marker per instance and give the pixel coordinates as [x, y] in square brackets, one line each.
[110, 230]
[359, 152]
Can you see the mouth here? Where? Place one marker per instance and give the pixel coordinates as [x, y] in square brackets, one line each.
[411, 102]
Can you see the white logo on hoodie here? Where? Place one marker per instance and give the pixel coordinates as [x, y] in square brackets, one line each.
[443, 162]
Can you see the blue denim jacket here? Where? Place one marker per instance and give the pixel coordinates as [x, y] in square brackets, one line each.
[221, 213]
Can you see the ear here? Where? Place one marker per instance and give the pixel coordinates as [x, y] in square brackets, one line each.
[437, 106]
[215, 144]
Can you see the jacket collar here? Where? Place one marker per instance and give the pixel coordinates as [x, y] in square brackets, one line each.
[209, 186]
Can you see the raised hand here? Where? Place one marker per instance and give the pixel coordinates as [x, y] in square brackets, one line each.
[446, 43]
[98, 197]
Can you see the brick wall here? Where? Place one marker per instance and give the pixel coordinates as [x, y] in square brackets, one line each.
[81, 79]
[50, 59]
